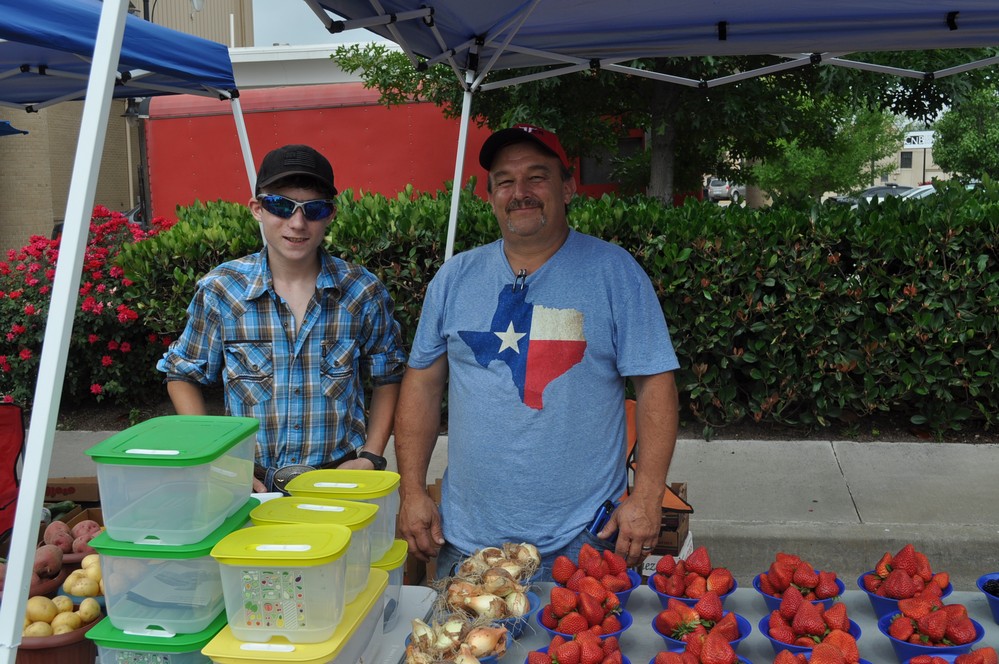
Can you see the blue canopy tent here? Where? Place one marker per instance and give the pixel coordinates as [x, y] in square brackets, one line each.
[565, 36]
[7, 130]
[59, 50]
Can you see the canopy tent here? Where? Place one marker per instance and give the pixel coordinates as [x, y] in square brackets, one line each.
[58, 50]
[568, 36]
[7, 130]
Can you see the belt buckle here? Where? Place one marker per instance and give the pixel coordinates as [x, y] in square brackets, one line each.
[285, 474]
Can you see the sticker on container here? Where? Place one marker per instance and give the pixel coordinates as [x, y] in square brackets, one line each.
[274, 599]
[132, 657]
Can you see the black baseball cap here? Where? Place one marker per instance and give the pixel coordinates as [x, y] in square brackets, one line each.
[295, 160]
[521, 133]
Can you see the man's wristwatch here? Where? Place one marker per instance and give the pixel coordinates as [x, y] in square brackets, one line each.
[379, 462]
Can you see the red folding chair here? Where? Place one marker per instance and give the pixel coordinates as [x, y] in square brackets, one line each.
[11, 448]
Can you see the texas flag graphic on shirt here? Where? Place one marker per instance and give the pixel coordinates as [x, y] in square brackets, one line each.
[538, 343]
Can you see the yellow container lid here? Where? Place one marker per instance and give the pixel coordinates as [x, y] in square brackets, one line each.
[303, 509]
[344, 484]
[394, 558]
[227, 649]
[288, 544]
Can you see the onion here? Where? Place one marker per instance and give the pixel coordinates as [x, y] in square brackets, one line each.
[528, 555]
[416, 656]
[499, 581]
[423, 636]
[512, 567]
[517, 604]
[472, 566]
[459, 590]
[492, 555]
[450, 634]
[465, 655]
[487, 606]
[485, 641]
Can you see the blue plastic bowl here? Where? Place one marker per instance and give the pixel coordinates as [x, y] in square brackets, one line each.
[884, 606]
[742, 660]
[773, 603]
[689, 601]
[989, 597]
[745, 627]
[516, 625]
[764, 626]
[905, 650]
[624, 658]
[625, 618]
[946, 658]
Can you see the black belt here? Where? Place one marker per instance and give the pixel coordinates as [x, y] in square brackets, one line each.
[281, 476]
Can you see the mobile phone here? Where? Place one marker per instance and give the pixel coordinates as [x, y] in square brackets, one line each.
[601, 517]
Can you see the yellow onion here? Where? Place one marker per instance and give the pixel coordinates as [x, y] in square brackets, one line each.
[492, 555]
[459, 590]
[416, 656]
[423, 636]
[449, 634]
[517, 604]
[511, 567]
[465, 655]
[528, 555]
[499, 581]
[472, 566]
[485, 641]
[487, 606]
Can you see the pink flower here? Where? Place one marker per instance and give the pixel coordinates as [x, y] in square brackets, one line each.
[125, 314]
[85, 288]
[7, 398]
[112, 345]
[18, 329]
[93, 338]
[25, 354]
[106, 361]
[125, 347]
[14, 294]
[116, 272]
[96, 388]
[151, 338]
[101, 288]
[29, 309]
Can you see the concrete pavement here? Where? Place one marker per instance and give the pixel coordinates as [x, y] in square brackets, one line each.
[838, 504]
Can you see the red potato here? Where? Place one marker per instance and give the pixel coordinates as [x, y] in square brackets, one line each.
[62, 540]
[48, 560]
[82, 544]
[86, 527]
[54, 529]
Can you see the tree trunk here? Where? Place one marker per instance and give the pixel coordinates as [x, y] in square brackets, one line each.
[663, 142]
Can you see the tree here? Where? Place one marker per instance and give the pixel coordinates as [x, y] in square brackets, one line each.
[967, 137]
[853, 157]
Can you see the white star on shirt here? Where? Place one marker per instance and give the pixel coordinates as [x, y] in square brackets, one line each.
[510, 339]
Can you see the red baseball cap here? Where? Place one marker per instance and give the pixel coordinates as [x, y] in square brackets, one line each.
[521, 133]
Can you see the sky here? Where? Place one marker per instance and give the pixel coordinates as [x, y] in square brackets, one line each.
[291, 22]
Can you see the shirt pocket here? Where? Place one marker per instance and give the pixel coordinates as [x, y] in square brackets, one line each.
[338, 367]
[249, 367]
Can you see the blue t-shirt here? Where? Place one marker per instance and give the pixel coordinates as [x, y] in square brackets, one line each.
[536, 425]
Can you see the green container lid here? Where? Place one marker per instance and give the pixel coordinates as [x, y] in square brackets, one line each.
[299, 509]
[286, 545]
[394, 558]
[174, 440]
[107, 635]
[103, 543]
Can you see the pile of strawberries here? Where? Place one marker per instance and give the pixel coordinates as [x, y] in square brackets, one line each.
[692, 577]
[906, 574]
[929, 622]
[583, 648]
[710, 649]
[790, 572]
[691, 623]
[799, 622]
[593, 609]
[980, 656]
[608, 568]
[822, 653]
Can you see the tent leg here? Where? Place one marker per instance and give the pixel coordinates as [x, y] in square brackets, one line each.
[59, 324]
[459, 163]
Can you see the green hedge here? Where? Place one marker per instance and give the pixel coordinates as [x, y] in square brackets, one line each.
[777, 315]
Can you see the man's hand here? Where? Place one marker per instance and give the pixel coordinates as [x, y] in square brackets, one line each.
[420, 524]
[637, 524]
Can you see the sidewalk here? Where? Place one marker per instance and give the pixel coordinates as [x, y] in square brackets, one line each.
[838, 504]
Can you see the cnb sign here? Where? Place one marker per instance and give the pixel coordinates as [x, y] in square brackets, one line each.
[919, 139]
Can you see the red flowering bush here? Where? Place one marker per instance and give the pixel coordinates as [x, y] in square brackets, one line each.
[110, 353]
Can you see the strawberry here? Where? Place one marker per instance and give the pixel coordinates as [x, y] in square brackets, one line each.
[562, 601]
[588, 585]
[780, 576]
[808, 620]
[929, 659]
[696, 588]
[716, 650]
[591, 609]
[615, 563]
[872, 582]
[574, 580]
[536, 657]
[590, 652]
[901, 628]
[916, 607]
[789, 605]
[788, 657]
[923, 569]
[835, 617]
[826, 586]
[556, 641]
[699, 561]
[846, 644]
[613, 658]
[615, 584]
[941, 579]
[720, 580]
[612, 604]
[666, 658]
[610, 625]
[768, 587]
[572, 623]
[954, 611]
[826, 654]
[882, 568]
[789, 559]
[960, 631]
[610, 644]
[709, 607]
[898, 585]
[587, 555]
[567, 653]
[933, 625]
[779, 629]
[905, 560]
[548, 618]
[562, 569]
[728, 627]
[804, 576]
[596, 568]
[666, 565]
[659, 582]
[674, 586]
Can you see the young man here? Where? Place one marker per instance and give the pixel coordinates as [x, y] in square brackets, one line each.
[535, 336]
[291, 332]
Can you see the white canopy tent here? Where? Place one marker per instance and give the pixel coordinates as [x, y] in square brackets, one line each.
[60, 50]
[566, 36]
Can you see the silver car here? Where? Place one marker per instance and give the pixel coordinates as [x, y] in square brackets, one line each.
[723, 190]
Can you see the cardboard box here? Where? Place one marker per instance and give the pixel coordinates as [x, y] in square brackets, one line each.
[77, 489]
[92, 513]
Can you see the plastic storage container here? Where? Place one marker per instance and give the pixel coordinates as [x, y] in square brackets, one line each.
[380, 487]
[358, 635]
[165, 589]
[285, 580]
[355, 515]
[394, 564]
[115, 646]
[174, 479]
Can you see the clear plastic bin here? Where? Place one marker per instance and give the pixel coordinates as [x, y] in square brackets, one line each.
[115, 646]
[175, 479]
[165, 590]
[284, 580]
[394, 564]
[358, 635]
[380, 487]
[355, 515]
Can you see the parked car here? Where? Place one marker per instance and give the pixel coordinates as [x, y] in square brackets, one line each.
[723, 190]
[922, 191]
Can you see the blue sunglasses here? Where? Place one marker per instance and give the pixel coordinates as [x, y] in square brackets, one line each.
[284, 207]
